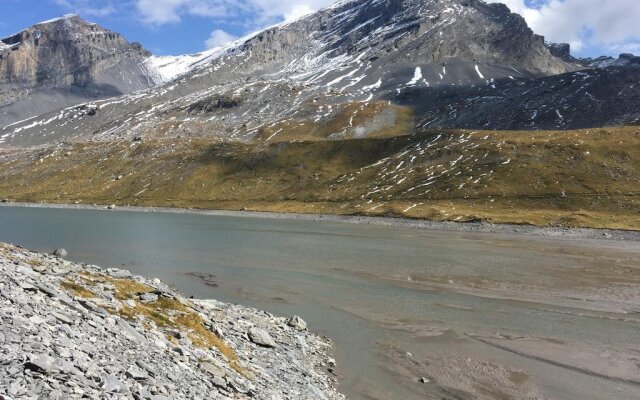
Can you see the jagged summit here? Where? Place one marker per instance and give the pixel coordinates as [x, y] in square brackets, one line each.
[61, 18]
[423, 31]
[427, 31]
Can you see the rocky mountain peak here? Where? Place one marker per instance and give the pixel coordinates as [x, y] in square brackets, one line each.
[65, 61]
[384, 34]
[561, 50]
[64, 51]
[411, 30]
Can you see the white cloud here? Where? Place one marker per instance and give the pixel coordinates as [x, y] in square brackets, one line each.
[270, 11]
[589, 26]
[91, 8]
[585, 24]
[159, 12]
[255, 13]
[219, 38]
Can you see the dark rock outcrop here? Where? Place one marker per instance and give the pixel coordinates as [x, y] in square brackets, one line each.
[562, 51]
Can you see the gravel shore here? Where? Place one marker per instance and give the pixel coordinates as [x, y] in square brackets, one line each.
[79, 331]
[481, 227]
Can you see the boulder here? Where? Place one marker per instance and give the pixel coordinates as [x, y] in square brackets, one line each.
[261, 337]
[297, 323]
[60, 253]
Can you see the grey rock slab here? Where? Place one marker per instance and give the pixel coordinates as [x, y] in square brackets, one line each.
[219, 382]
[130, 333]
[261, 337]
[119, 273]
[147, 298]
[137, 373]
[111, 384]
[213, 370]
[145, 366]
[66, 318]
[241, 385]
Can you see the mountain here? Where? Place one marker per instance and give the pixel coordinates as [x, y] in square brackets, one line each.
[624, 60]
[563, 51]
[66, 61]
[366, 107]
[439, 63]
[312, 69]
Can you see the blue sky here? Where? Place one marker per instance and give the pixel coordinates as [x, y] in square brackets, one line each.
[593, 27]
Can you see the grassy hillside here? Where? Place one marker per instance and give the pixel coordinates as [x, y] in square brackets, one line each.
[585, 178]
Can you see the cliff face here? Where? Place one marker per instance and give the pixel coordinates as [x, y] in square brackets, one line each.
[65, 61]
[68, 52]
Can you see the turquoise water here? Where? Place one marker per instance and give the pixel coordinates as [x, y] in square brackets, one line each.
[367, 287]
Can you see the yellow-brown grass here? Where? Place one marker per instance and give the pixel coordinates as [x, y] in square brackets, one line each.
[34, 262]
[168, 313]
[585, 178]
[77, 290]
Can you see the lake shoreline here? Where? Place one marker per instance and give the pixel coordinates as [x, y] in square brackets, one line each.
[422, 224]
[411, 313]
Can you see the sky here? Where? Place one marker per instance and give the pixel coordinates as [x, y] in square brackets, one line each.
[592, 27]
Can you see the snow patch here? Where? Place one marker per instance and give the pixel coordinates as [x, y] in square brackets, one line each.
[417, 75]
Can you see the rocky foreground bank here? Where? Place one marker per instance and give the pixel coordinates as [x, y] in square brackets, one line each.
[80, 331]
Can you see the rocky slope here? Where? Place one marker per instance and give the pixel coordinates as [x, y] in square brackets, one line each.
[66, 61]
[307, 70]
[76, 331]
[451, 63]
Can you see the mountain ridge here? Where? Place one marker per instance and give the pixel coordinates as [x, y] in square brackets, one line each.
[352, 51]
[446, 63]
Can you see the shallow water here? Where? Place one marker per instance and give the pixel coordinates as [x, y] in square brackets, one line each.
[380, 292]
